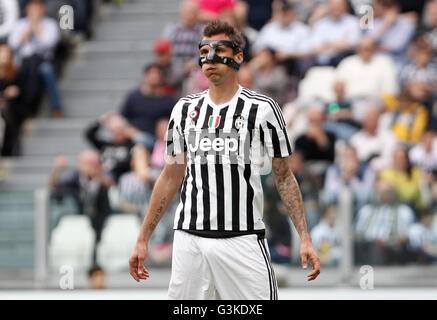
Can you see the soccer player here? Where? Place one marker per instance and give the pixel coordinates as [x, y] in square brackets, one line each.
[215, 144]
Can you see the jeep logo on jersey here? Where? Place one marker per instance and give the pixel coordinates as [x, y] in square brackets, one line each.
[212, 143]
[214, 121]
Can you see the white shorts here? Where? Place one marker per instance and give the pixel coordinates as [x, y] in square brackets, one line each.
[237, 268]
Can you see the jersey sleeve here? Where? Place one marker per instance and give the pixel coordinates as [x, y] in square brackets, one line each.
[175, 141]
[273, 127]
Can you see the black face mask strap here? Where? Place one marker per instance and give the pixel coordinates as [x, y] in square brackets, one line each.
[213, 57]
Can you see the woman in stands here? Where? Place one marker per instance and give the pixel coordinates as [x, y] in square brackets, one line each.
[12, 111]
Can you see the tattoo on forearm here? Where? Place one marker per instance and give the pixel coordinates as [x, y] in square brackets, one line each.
[290, 194]
[157, 215]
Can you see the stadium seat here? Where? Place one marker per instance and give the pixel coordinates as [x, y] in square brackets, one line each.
[118, 240]
[318, 84]
[72, 243]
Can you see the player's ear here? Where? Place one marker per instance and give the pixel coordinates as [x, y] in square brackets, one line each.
[239, 57]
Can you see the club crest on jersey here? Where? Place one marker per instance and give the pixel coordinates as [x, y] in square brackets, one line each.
[214, 121]
[239, 122]
[194, 114]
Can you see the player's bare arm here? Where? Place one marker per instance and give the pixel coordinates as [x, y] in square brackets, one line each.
[291, 196]
[163, 193]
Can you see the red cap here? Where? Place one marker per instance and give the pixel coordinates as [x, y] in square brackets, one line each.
[162, 46]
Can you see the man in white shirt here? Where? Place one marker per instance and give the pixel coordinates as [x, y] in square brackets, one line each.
[374, 145]
[335, 35]
[366, 74]
[33, 40]
[288, 37]
[9, 15]
[392, 31]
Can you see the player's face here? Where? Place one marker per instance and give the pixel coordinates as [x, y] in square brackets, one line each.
[218, 72]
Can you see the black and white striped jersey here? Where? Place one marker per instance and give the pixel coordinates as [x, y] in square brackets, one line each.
[227, 147]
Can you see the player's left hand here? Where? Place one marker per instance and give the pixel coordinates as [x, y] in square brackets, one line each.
[308, 253]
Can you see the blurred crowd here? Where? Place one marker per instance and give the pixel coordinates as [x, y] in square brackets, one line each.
[33, 51]
[357, 83]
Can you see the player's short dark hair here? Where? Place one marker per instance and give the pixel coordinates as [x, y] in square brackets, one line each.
[217, 27]
[95, 268]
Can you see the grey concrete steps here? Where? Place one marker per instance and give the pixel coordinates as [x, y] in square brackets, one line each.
[129, 30]
[69, 145]
[57, 128]
[107, 69]
[91, 104]
[142, 14]
[103, 84]
[18, 183]
[133, 9]
[87, 109]
[43, 167]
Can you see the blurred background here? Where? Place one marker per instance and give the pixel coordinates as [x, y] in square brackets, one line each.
[84, 112]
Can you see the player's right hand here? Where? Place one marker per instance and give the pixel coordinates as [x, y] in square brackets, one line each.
[136, 262]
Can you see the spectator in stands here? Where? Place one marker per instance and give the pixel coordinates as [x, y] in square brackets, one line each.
[173, 73]
[310, 186]
[315, 143]
[349, 173]
[326, 238]
[96, 278]
[424, 154]
[211, 9]
[407, 179]
[115, 150]
[429, 27]
[374, 145]
[12, 110]
[246, 76]
[278, 228]
[288, 37]
[87, 185]
[382, 228]
[310, 11]
[340, 121]
[241, 13]
[135, 189]
[392, 32]
[270, 78]
[423, 238]
[336, 35]
[367, 75]
[231, 18]
[144, 106]
[419, 74]
[258, 12]
[185, 36]
[84, 12]
[33, 40]
[196, 82]
[10, 12]
[407, 118]
[135, 186]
